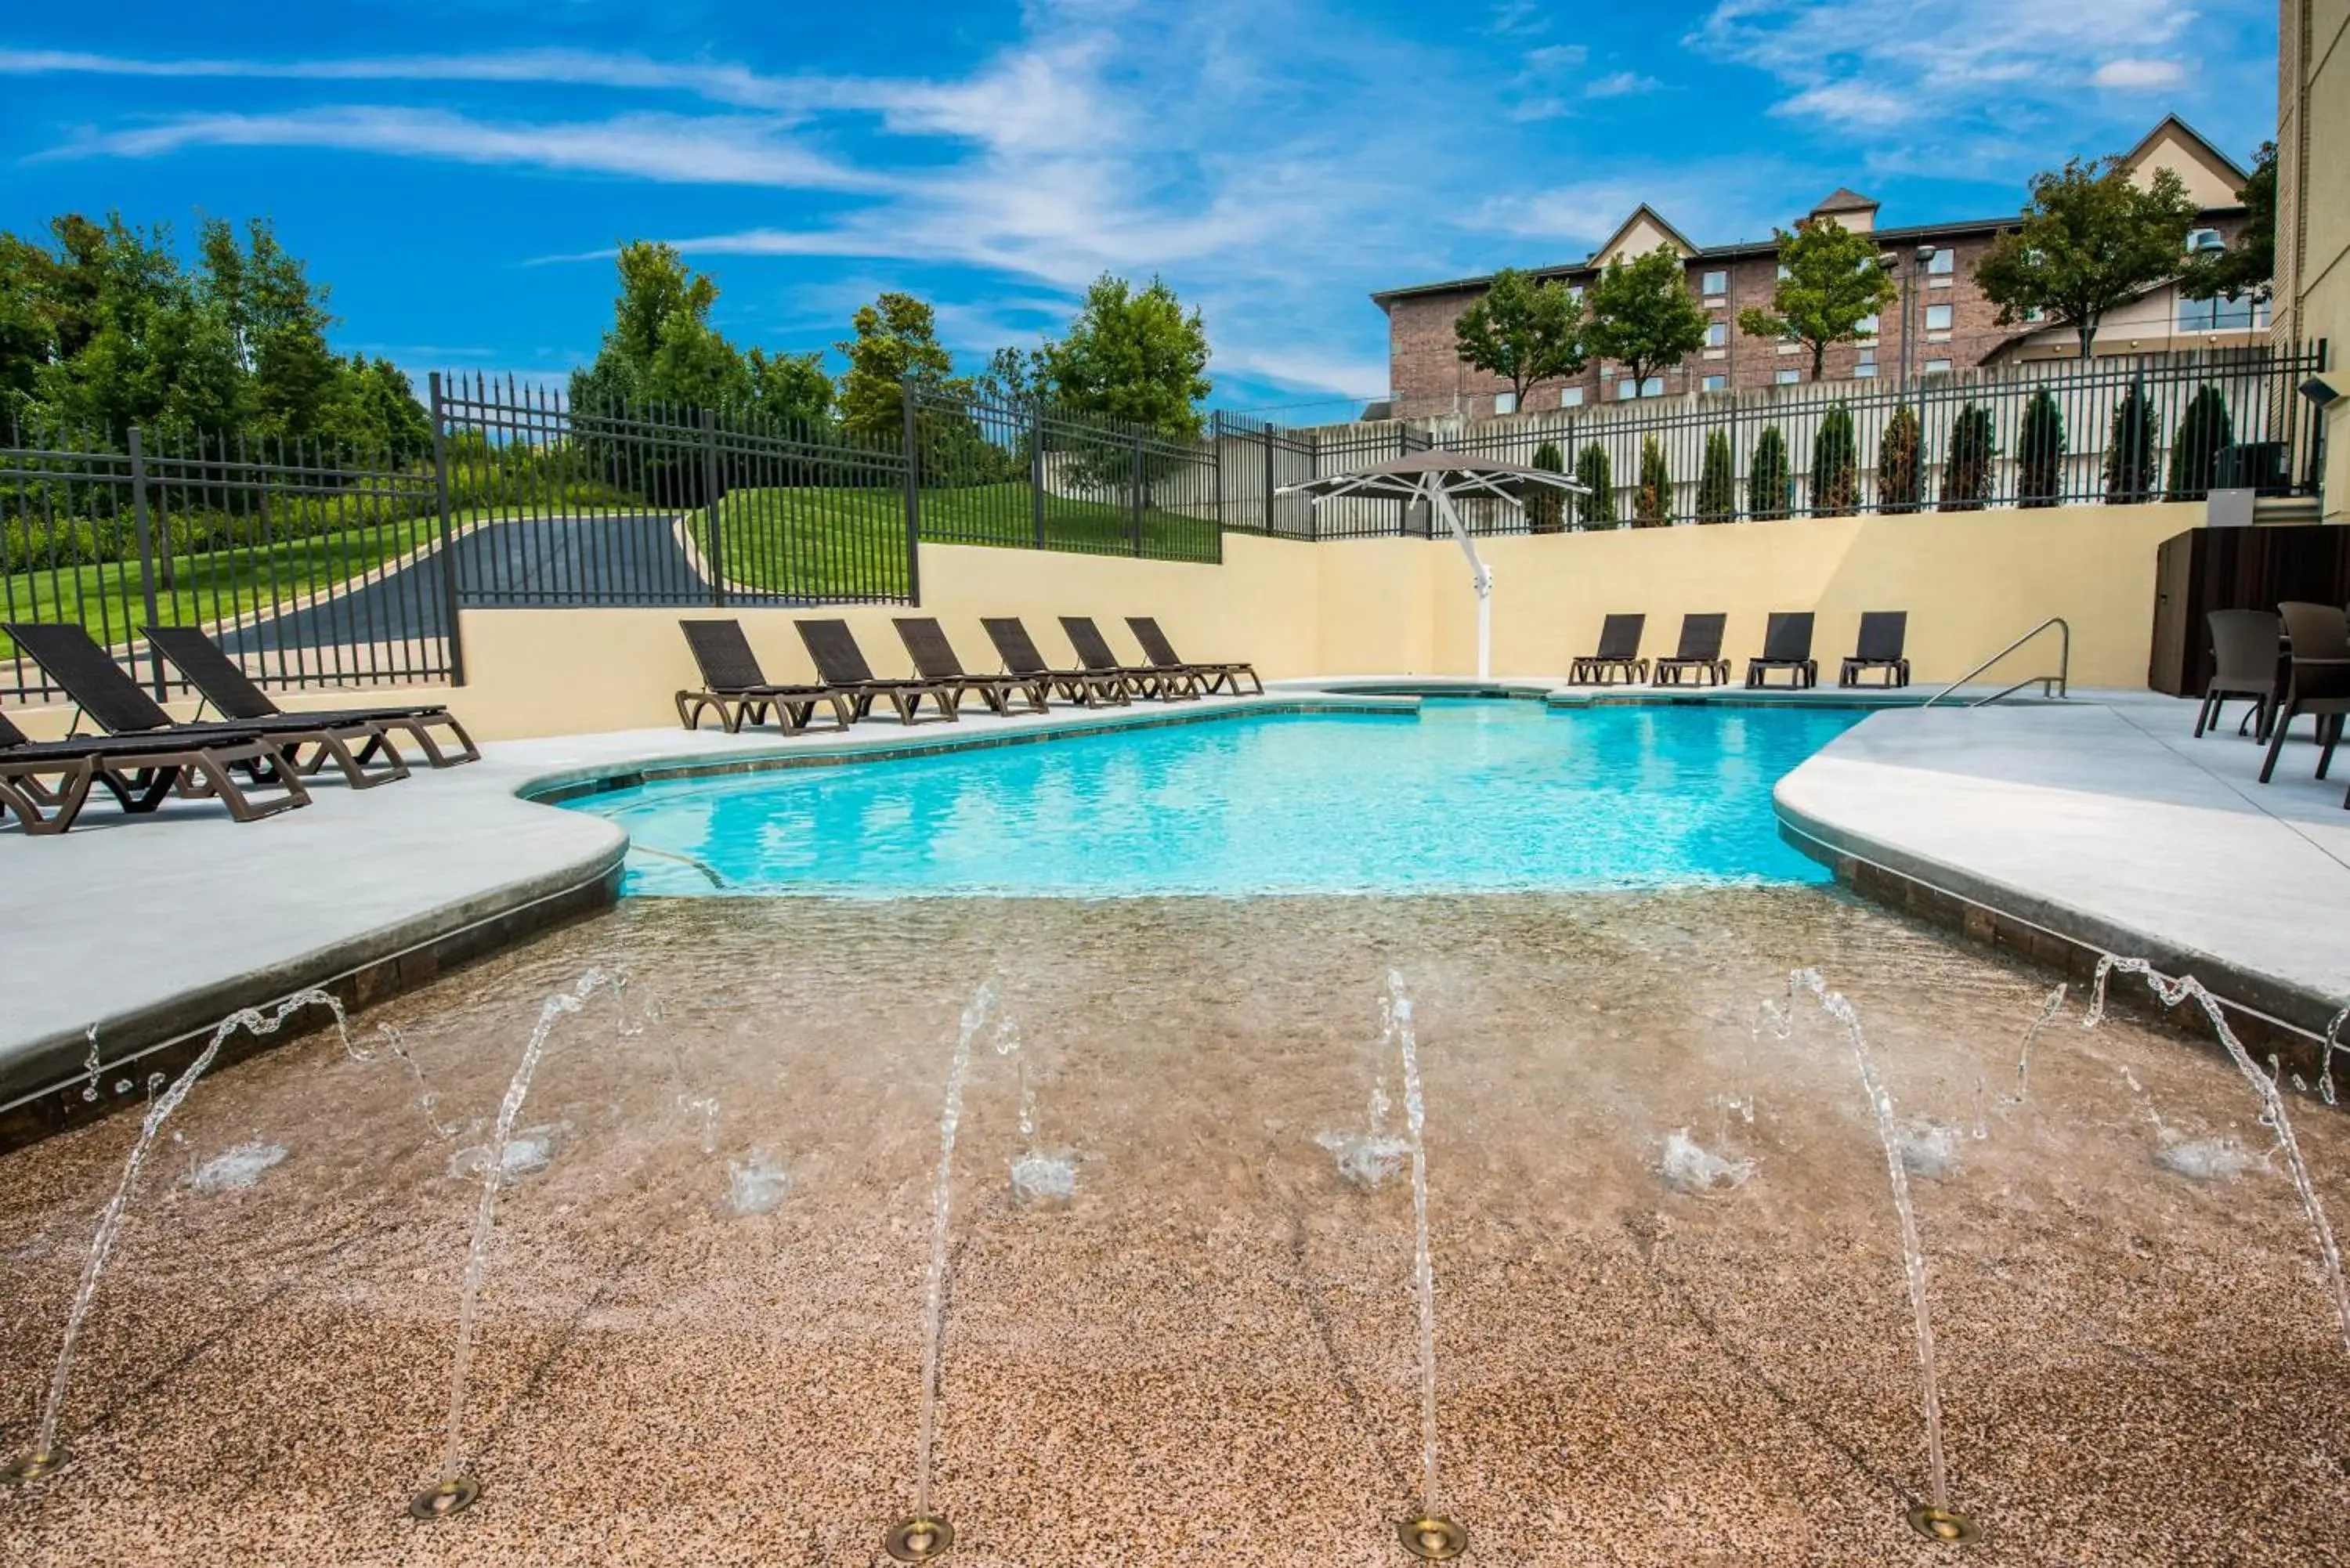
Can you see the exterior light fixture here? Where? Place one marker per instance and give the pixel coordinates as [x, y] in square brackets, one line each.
[2319, 391]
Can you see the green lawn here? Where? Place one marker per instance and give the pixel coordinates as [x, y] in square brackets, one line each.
[836, 543]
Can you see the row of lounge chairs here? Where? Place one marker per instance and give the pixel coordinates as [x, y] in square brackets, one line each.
[1786, 647]
[253, 758]
[737, 690]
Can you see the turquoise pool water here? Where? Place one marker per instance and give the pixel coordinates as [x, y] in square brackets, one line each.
[1464, 797]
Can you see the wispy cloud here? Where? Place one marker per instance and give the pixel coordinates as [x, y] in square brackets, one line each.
[2139, 74]
[1621, 84]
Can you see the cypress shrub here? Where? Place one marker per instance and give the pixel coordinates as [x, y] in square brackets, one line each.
[2129, 453]
[1591, 467]
[1717, 484]
[1545, 507]
[1835, 466]
[2203, 430]
[2040, 452]
[1966, 474]
[1900, 472]
[1652, 503]
[1769, 485]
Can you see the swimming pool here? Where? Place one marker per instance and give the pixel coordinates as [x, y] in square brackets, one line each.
[1464, 796]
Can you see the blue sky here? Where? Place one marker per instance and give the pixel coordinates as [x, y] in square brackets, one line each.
[460, 173]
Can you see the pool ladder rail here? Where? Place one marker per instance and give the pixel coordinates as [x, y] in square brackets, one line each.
[2057, 685]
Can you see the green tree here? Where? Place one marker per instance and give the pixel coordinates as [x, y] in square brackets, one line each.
[1014, 376]
[2203, 430]
[1652, 499]
[1132, 355]
[1836, 465]
[1717, 484]
[1545, 507]
[2040, 452]
[2130, 450]
[1900, 466]
[1524, 331]
[2247, 267]
[1834, 283]
[1594, 472]
[660, 349]
[1770, 482]
[1643, 315]
[1967, 471]
[896, 341]
[372, 412]
[789, 390]
[2091, 238]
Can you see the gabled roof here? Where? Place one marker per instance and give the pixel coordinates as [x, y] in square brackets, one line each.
[2172, 126]
[1845, 199]
[1655, 220]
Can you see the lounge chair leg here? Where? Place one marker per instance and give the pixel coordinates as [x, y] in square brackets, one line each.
[2276, 743]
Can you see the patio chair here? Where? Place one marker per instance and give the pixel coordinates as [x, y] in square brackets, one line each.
[1786, 645]
[1140, 679]
[735, 688]
[2247, 650]
[840, 666]
[1618, 654]
[1700, 653]
[1018, 651]
[1162, 656]
[2320, 682]
[934, 659]
[1883, 634]
[222, 682]
[101, 689]
[45, 783]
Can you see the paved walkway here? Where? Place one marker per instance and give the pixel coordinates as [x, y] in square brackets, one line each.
[2104, 820]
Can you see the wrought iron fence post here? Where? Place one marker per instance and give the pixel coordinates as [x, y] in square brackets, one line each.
[146, 555]
[1266, 435]
[1037, 467]
[1216, 460]
[716, 528]
[913, 498]
[1312, 470]
[1138, 494]
[450, 597]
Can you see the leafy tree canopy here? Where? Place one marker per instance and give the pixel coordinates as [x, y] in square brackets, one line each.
[896, 340]
[1643, 315]
[1131, 354]
[1834, 283]
[2248, 266]
[2091, 239]
[1522, 330]
[661, 349]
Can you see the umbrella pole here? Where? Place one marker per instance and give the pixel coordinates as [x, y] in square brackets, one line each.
[1482, 577]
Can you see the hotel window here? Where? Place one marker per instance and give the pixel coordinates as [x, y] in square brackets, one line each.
[1783, 274]
[1938, 367]
[1716, 384]
[2201, 240]
[1945, 261]
[1714, 283]
[1654, 387]
[2034, 313]
[1716, 334]
[1571, 398]
[1865, 371]
[1865, 325]
[1505, 402]
[1787, 378]
[1938, 318]
[2238, 314]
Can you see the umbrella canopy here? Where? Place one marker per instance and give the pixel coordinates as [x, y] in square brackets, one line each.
[1415, 475]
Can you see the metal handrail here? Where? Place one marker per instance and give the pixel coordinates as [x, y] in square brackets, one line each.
[2057, 685]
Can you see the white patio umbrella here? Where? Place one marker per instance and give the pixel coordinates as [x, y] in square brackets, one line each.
[1436, 476]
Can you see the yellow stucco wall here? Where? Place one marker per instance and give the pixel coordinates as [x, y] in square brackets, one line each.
[1385, 606]
[2313, 211]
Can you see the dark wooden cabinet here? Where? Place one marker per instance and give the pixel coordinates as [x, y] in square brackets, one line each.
[2206, 569]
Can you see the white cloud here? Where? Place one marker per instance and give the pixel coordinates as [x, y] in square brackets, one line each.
[1620, 84]
[2139, 74]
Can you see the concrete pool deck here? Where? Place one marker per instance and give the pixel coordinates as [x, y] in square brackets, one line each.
[2095, 822]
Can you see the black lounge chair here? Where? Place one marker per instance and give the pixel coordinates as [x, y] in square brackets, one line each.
[2319, 684]
[1018, 651]
[840, 666]
[1140, 679]
[1700, 653]
[1162, 656]
[1618, 654]
[220, 682]
[101, 689]
[934, 659]
[1882, 635]
[1786, 645]
[2247, 650]
[47, 783]
[734, 688]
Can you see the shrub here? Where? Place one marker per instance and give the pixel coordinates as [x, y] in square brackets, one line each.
[1545, 507]
[2040, 452]
[1835, 466]
[1769, 485]
[1591, 468]
[2129, 453]
[1900, 468]
[1717, 485]
[1652, 503]
[2203, 430]
[1966, 473]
